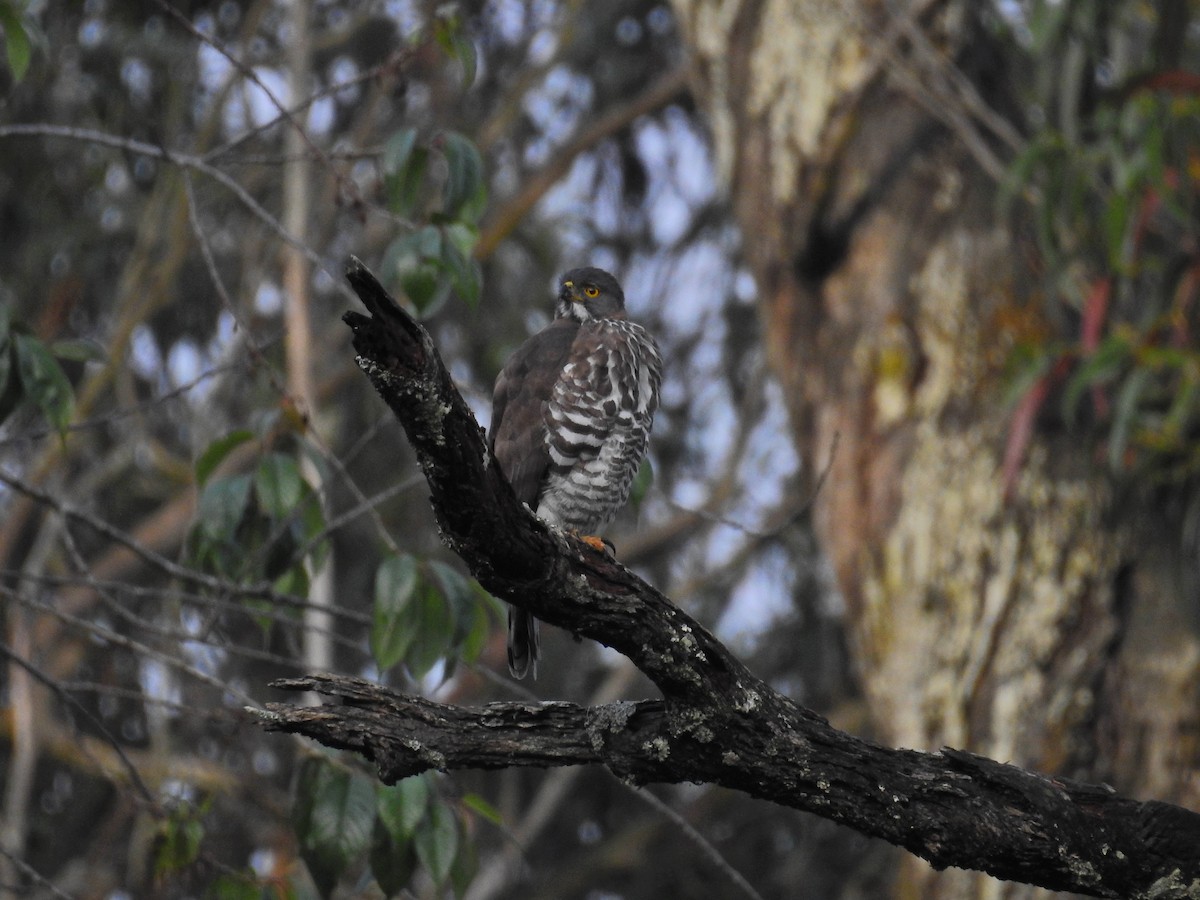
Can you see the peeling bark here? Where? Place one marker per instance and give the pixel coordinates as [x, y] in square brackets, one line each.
[716, 722]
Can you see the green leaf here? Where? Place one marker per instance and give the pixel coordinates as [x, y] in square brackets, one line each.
[402, 806]
[464, 50]
[223, 505]
[391, 626]
[1116, 228]
[332, 817]
[1113, 354]
[466, 865]
[220, 540]
[477, 634]
[180, 836]
[392, 862]
[1046, 23]
[459, 606]
[404, 187]
[455, 590]
[82, 350]
[1125, 416]
[464, 180]
[1154, 357]
[437, 842]
[43, 380]
[16, 41]
[1022, 172]
[415, 260]
[237, 886]
[398, 150]
[216, 452]
[279, 485]
[1026, 364]
[453, 40]
[294, 582]
[465, 274]
[1184, 408]
[6, 355]
[312, 524]
[424, 288]
[482, 807]
[433, 627]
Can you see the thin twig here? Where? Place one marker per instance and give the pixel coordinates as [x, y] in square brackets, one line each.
[503, 220]
[102, 633]
[261, 591]
[125, 412]
[690, 832]
[155, 593]
[134, 776]
[180, 635]
[33, 874]
[247, 72]
[187, 161]
[218, 283]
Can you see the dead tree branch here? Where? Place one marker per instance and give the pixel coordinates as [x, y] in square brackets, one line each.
[716, 722]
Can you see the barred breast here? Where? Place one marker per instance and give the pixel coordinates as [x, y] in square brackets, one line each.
[598, 423]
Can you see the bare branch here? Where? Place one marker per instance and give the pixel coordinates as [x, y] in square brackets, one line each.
[175, 157]
[501, 223]
[717, 722]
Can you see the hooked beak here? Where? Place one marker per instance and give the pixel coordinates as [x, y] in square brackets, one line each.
[568, 294]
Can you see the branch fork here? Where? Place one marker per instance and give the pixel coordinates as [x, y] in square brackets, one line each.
[716, 721]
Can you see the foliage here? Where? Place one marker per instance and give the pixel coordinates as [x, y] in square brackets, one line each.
[425, 611]
[30, 373]
[342, 816]
[433, 260]
[1114, 187]
[18, 44]
[172, 500]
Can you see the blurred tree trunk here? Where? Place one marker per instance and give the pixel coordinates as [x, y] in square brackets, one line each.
[1042, 628]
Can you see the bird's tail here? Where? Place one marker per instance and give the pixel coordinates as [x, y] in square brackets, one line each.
[523, 643]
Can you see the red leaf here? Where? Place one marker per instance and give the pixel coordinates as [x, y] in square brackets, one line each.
[1185, 295]
[1095, 313]
[1175, 81]
[1020, 429]
[1151, 201]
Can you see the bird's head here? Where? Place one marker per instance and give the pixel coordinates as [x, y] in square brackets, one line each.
[590, 293]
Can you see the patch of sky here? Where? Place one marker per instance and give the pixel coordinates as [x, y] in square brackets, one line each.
[137, 78]
[771, 456]
[184, 362]
[160, 685]
[321, 115]
[268, 299]
[759, 600]
[144, 355]
[202, 656]
[409, 16]
[343, 70]
[505, 21]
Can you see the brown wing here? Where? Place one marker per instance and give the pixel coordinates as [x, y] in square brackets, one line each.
[523, 388]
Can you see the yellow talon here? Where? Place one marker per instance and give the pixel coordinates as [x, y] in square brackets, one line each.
[596, 543]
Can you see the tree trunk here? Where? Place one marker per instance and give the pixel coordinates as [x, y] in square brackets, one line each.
[1024, 624]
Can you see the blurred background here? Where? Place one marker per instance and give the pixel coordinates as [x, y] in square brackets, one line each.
[924, 275]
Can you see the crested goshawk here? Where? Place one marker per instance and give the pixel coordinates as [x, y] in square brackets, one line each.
[571, 416]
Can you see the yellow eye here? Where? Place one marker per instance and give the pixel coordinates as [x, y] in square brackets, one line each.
[592, 291]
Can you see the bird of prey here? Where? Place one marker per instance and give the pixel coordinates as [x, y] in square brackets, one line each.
[571, 416]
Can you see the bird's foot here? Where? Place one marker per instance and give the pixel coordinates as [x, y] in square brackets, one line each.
[598, 543]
